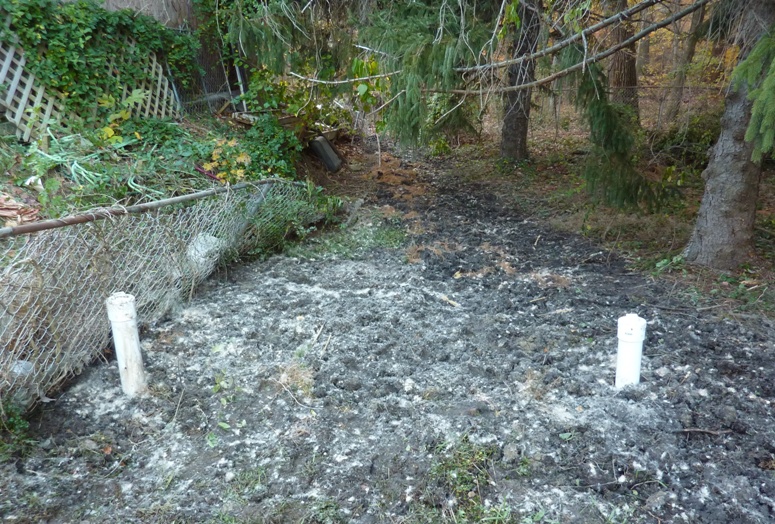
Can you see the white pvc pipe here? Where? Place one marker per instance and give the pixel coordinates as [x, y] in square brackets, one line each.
[123, 321]
[632, 332]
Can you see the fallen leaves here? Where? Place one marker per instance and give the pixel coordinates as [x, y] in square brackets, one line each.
[14, 212]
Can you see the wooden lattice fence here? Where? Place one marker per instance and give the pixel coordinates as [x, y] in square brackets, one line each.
[32, 108]
[27, 103]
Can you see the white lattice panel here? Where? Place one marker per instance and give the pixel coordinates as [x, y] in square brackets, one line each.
[26, 102]
[161, 101]
[32, 107]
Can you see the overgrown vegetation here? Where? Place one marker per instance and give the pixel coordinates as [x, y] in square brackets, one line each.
[78, 48]
[685, 146]
[14, 439]
[153, 159]
[460, 486]
[285, 222]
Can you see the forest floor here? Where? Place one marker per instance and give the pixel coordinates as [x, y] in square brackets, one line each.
[447, 357]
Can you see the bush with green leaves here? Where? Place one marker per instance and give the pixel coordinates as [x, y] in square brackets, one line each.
[14, 427]
[686, 145]
[265, 150]
[269, 92]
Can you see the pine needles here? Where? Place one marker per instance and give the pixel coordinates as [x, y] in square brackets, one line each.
[609, 170]
[757, 72]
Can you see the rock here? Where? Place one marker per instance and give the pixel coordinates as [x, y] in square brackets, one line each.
[727, 414]
[657, 500]
[511, 453]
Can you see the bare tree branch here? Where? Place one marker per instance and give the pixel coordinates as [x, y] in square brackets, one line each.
[345, 81]
[591, 60]
[553, 49]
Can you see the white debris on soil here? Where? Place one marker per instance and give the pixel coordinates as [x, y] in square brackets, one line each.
[300, 389]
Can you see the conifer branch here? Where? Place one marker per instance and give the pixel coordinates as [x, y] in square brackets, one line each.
[582, 64]
[568, 41]
[374, 51]
[383, 106]
[345, 81]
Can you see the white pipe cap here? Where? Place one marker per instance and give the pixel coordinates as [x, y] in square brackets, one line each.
[121, 307]
[632, 328]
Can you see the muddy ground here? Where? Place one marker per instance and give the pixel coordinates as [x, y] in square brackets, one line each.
[446, 358]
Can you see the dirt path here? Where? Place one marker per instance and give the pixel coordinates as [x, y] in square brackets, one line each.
[465, 375]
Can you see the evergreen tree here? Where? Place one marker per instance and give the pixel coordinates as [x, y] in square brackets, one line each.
[421, 63]
[723, 234]
[757, 72]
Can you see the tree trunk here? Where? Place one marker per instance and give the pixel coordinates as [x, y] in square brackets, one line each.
[516, 104]
[723, 233]
[644, 53]
[685, 58]
[622, 73]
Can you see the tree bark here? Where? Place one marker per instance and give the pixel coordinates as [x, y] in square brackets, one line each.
[723, 233]
[685, 58]
[516, 104]
[622, 72]
[644, 51]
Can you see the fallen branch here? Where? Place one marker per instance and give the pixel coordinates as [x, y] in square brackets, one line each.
[345, 81]
[325, 347]
[442, 297]
[290, 393]
[708, 431]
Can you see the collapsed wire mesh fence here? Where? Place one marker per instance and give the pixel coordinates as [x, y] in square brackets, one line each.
[54, 283]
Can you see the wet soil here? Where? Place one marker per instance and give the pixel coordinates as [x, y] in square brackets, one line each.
[340, 385]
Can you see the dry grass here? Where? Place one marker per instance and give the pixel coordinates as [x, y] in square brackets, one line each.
[297, 378]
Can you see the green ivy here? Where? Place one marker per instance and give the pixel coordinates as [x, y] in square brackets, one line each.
[79, 48]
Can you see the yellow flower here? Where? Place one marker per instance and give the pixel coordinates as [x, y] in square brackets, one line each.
[209, 166]
[239, 173]
[232, 142]
[220, 141]
[243, 158]
[221, 176]
[217, 153]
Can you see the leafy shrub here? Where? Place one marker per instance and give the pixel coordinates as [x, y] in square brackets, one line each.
[264, 151]
[268, 92]
[688, 145]
[14, 427]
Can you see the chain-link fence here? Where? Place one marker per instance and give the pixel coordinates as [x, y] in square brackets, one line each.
[54, 283]
[217, 84]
